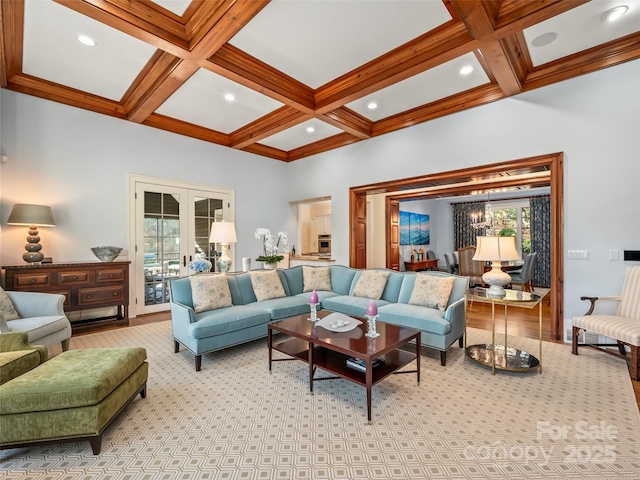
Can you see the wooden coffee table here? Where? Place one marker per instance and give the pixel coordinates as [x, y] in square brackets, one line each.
[322, 348]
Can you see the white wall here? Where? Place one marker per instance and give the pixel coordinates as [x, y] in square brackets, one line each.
[77, 161]
[593, 119]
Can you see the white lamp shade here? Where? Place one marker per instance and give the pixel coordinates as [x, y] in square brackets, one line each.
[39, 215]
[223, 232]
[496, 249]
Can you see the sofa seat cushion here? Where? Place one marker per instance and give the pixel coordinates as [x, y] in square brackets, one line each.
[76, 378]
[225, 320]
[356, 306]
[38, 327]
[423, 318]
[13, 364]
[284, 307]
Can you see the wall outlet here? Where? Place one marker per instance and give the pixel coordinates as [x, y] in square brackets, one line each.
[579, 254]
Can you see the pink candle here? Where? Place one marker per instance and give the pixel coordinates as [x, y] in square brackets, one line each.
[372, 309]
[313, 298]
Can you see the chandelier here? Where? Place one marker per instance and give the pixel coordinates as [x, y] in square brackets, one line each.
[484, 219]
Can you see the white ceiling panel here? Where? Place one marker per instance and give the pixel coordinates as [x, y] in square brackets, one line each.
[298, 136]
[571, 26]
[176, 6]
[285, 34]
[437, 83]
[52, 51]
[201, 101]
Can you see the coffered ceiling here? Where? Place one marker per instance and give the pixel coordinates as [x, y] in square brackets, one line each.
[287, 79]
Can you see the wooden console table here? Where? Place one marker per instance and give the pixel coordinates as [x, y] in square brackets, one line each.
[421, 265]
[86, 285]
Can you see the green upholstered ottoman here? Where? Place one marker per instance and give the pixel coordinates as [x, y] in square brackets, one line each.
[71, 397]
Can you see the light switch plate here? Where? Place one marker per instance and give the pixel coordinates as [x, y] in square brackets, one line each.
[579, 254]
[614, 254]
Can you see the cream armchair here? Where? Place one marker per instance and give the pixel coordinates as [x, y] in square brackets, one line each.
[42, 318]
[624, 326]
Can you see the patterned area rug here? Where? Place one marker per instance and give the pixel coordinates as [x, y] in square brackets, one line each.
[234, 420]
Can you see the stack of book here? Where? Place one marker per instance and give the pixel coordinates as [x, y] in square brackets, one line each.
[361, 365]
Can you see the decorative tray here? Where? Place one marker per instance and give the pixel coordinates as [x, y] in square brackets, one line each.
[338, 322]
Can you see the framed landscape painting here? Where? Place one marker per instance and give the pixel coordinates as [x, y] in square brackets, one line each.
[414, 228]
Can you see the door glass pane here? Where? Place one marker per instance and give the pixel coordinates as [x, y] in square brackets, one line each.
[161, 244]
[207, 210]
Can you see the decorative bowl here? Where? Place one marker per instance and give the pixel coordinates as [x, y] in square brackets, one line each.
[106, 254]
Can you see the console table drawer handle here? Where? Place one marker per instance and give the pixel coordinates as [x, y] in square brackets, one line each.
[115, 294]
[75, 277]
[88, 296]
[33, 280]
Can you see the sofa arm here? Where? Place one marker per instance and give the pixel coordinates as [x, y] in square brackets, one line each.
[36, 304]
[16, 341]
[455, 313]
[181, 313]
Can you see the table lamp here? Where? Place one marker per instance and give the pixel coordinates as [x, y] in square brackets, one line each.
[223, 233]
[32, 216]
[496, 250]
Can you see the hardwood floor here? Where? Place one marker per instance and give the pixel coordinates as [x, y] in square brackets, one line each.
[522, 322]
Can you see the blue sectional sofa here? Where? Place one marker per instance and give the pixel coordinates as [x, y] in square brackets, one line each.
[247, 318]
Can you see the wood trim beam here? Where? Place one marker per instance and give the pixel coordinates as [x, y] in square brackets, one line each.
[515, 16]
[349, 121]
[11, 40]
[272, 123]
[438, 46]
[455, 103]
[188, 129]
[266, 151]
[58, 93]
[236, 65]
[339, 140]
[160, 78]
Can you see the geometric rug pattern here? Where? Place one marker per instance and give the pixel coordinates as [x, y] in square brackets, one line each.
[234, 420]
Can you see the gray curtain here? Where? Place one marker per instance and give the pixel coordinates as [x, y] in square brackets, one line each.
[463, 233]
[541, 238]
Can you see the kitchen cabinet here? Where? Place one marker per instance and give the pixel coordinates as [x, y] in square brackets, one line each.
[324, 225]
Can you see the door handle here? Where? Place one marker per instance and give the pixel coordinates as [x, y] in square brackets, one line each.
[184, 260]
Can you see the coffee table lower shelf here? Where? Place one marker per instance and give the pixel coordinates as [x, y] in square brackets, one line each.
[514, 360]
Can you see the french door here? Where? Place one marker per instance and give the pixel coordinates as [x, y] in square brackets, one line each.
[172, 223]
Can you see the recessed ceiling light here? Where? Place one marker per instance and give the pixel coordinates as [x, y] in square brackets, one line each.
[229, 97]
[311, 129]
[466, 70]
[544, 39]
[372, 105]
[86, 40]
[614, 14]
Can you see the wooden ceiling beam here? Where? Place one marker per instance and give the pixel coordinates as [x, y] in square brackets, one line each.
[434, 48]
[226, 26]
[266, 151]
[502, 56]
[161, 77]
[603, 56]
[349, 121]
[69, 96]
[239, 66]
[270, 124]
[456, 103]
[516, 15]
[188, 129]
[324, 145]
[11, 40]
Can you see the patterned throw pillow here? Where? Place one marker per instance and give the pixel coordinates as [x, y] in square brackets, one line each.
[210, 292]
[431, 291]
[371, 284]
[316, 278]
[6, 306]
[267, 285]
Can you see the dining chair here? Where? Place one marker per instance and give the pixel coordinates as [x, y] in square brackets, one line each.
[467, 267]
[525, 276]
[448, 258]
[623, 327]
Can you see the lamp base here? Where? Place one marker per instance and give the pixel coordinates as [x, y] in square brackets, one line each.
[496, 279]
[224, 261]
